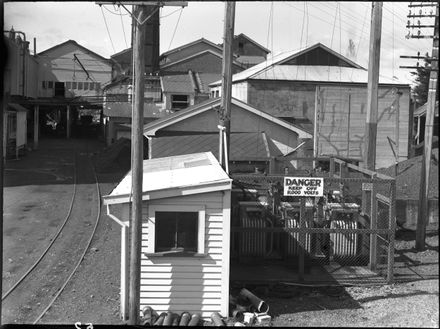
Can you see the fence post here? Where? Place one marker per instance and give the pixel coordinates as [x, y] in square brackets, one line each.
[373, 226]
[391, 233]
[302, 217]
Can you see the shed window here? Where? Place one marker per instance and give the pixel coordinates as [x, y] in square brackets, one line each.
[176, 230]
[50, 84]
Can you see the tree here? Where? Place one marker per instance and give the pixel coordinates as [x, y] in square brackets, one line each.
[422, 81]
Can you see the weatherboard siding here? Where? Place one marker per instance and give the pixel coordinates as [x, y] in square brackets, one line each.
[192, 284]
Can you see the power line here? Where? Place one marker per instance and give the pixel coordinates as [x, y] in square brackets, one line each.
[123, 30]
[108, 32]
[175, 28]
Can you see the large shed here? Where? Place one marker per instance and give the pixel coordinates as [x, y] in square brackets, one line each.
[185, 234]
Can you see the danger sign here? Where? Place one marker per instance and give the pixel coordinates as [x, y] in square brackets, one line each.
[303, 186]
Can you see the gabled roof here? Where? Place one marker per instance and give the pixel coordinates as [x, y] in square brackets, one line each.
[244, 146]
[179, 83]
[283, 58]
[201, 53]
[75, 44]
[267, 51]
[202, 40]
[151, 128]
[317, 73]
[174, 176]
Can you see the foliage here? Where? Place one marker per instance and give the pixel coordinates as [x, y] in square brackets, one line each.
[422, 81]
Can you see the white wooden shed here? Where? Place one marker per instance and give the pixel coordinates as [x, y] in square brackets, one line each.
[185, 234]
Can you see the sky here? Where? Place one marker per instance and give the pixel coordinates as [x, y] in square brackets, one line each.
[277, 25]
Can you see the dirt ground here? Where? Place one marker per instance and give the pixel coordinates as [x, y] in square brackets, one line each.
[92, 296]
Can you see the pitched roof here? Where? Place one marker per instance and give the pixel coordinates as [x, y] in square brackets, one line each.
[201, 53]
[179, 83]
[75, 44]
[151, 128]
[244, 146]
[252, 41]
[281, 58]
[187, 171]
[201, 40]
[318, 73]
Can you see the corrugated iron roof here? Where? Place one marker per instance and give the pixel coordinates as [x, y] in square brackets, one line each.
[274, 69]
[173, 172]
[244, 146]
[180, 83]
[318, 73]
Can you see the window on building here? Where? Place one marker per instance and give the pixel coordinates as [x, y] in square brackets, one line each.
[68, 85]
[86, 85]
[74, 85]
[44, 84]
[91, 86]
[176, 229]
[97, 86]
[50, 84]
[179, 101]
[80, 85]
[59, 89]
[217, 93]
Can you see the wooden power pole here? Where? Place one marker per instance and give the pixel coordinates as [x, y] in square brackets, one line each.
[422, 217]
[225, 114]
[140, 13]
[373, 82]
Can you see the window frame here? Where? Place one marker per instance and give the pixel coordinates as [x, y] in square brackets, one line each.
[151, 229]
[180, 103]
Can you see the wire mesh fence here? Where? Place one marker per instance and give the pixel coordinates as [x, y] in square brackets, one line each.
[348, 232]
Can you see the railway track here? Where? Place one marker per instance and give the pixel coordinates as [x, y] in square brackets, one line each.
[36, 291]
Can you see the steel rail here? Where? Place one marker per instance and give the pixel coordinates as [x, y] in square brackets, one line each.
[83, 254]
[52, 239]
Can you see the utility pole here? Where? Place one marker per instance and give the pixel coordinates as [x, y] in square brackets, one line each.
[137, 121]
[225, 111]
[373, 81]
[422, 217]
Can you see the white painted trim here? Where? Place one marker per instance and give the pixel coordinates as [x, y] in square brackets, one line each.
[200, 209]
[224, 303]
[124, 273]
[116, 219]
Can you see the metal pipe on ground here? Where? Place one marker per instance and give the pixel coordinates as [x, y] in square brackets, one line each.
[238, 315]
[149, 317]
[195, 320]
[176, 319]
[184, 319]
[217, 319]
[160, 319]
[258, 303]
[168, 319]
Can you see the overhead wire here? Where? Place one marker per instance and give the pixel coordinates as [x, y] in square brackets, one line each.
[123, 29]
[108, 32]
[175, 28]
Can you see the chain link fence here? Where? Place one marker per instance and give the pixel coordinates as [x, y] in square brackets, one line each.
[348, 232]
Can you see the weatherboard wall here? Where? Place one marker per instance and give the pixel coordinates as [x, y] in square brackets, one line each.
[192, 284]
[342, 113]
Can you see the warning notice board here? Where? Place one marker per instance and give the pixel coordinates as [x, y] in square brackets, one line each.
[304, 186]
